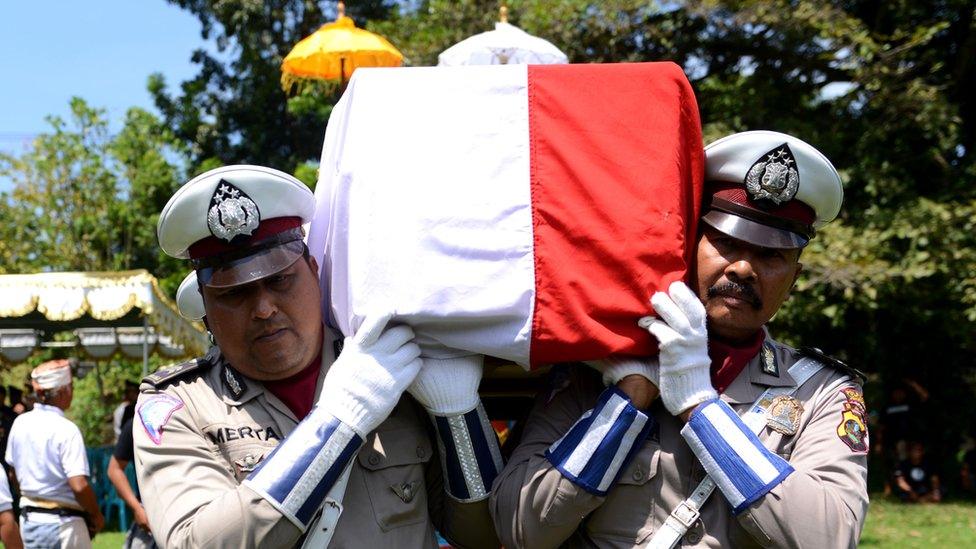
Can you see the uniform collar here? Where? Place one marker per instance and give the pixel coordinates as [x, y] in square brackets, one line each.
[238, 389]
[767, 369]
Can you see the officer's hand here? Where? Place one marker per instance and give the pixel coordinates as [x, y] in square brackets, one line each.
[683, 342]
[141, 518]
[366, 381]
[448, 386]
[637, 378]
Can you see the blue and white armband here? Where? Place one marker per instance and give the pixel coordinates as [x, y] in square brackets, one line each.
[598, 446]
[732, 455]
[298, 474]
[470, 456]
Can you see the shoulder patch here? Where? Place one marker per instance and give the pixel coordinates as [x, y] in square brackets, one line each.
[169, 374]
[155, 412]
[828, 360]
[853, 428]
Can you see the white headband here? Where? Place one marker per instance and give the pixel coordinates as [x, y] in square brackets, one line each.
[51, 379]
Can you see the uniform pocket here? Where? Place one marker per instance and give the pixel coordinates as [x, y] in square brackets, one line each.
[394, 463]
[628, 510]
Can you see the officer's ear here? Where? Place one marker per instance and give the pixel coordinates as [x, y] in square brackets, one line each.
[796, 274]
[314, 265]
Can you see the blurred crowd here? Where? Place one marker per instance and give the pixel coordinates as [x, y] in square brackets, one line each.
[914, 468]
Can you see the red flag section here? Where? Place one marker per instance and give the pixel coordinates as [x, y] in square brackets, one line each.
[616, 181]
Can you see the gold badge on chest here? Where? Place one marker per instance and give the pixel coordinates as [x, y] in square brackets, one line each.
[783, 415]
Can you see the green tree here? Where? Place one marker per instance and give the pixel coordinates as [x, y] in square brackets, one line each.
[234, 110]
[86, 200]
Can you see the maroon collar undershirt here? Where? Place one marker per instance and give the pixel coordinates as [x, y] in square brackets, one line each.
[298, 391]
[728, 361]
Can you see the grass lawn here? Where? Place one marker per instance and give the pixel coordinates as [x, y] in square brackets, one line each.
[892, 524]
[108, 540]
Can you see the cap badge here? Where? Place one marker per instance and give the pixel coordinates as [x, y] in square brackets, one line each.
[232, 212]
[774, 177]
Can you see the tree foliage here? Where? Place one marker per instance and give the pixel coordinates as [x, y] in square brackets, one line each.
[86, 200]
[234, 110]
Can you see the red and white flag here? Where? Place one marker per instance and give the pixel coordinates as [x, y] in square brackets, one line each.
[523, 212]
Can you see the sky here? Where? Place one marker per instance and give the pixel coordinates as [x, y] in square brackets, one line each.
[100, 50]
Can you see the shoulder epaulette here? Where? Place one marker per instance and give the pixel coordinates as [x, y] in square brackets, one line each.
[828, 360]
[169, 374]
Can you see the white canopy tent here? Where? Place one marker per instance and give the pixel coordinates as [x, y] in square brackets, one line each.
[109, 313]
[506, 45]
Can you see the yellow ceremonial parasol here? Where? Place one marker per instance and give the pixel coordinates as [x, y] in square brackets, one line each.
[336, 50]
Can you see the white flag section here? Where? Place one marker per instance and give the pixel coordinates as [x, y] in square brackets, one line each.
[422, 218]
[522, 212]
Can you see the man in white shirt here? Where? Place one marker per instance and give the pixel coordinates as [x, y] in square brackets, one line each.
[47, 454]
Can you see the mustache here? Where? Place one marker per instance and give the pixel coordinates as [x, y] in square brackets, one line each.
[738, 290]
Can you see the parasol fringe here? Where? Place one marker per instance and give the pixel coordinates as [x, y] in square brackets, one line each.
[294, 85]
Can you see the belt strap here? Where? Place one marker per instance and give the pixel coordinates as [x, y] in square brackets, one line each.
[322, 528]
[687, 512]
[60, 511]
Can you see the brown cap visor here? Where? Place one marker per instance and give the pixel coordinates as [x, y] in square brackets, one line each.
[753, 232]
[250, 268]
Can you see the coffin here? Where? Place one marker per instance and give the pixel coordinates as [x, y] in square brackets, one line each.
[522, 212]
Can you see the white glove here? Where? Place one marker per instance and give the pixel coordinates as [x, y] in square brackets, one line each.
[375, 367]
[616, 368]
[683, 341]
[448, 386]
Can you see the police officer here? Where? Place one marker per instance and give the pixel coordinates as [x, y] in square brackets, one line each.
[284, 433]
[632, 457]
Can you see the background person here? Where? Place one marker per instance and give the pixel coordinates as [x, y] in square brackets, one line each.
[139, 535]
[915, 478]
[9, 532]
[126, 409]
[46, 451]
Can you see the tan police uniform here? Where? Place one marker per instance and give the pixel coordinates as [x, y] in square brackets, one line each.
[778, 460]
[223, 462]
[226, 424]
[536, 506]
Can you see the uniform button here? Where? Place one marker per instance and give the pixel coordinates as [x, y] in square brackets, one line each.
[374, 459]
[421, 452]
[638, 474]
[695, 533]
